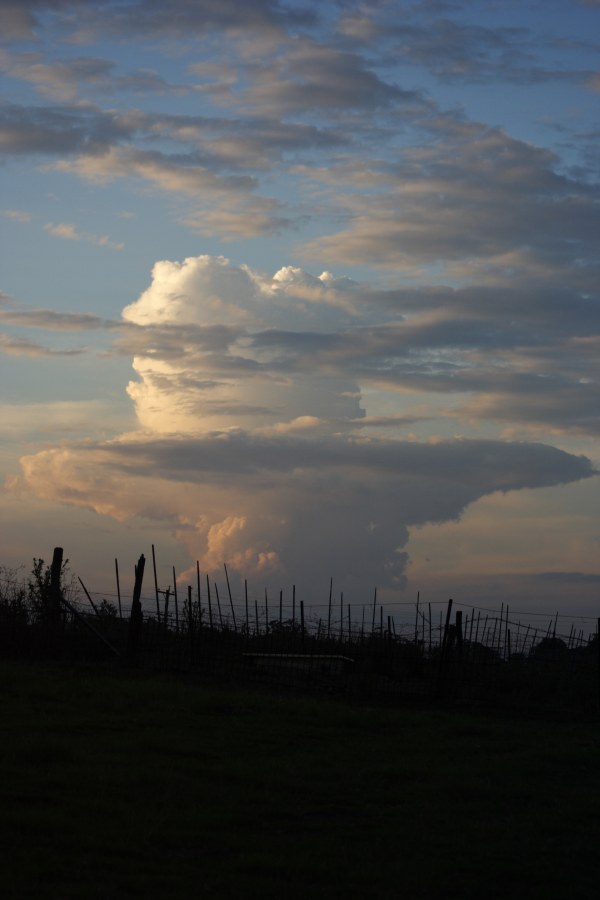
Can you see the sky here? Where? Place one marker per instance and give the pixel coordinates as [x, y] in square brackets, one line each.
[306, 289]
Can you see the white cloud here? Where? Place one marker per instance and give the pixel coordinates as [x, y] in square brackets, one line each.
[250, 401]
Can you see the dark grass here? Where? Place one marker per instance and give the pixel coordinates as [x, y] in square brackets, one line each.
[118, 786]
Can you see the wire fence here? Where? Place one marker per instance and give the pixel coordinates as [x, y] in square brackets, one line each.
[462, 656]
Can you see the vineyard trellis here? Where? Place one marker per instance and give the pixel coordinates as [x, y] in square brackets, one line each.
[470, 656]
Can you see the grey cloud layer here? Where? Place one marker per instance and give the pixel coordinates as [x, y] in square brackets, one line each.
[411, 182]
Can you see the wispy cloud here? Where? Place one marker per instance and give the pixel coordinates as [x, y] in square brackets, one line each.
[12, 313]
[16, 346]
[17, 215]
[67, 232]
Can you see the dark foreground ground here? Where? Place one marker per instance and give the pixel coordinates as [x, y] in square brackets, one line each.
[115, 786]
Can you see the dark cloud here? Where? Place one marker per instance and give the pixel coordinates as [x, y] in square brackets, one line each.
[59, 130]
[477, 194]
[51, 320]
[283, 506]
[178, 18]
[566, 577]
[466, 53]
[478, 466]
[311, 78]
[16, 346]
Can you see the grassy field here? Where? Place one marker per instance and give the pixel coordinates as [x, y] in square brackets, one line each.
[118, 786]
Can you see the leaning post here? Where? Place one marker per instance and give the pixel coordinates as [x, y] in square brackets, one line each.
[136, 617]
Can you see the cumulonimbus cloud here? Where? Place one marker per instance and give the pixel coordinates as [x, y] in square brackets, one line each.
[257, 442]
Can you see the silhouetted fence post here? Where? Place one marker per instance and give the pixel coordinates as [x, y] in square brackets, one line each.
[230, 598]
[210, 615]
[87, 594]
[118, 588]
[136, 617]
[190, 612]
[219, 605]
[199, 600]
[55, 570]
[51, 608]
[444, 649]
[176, 603]
[155, 585]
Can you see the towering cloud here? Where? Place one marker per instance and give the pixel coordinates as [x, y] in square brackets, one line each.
[257, 440]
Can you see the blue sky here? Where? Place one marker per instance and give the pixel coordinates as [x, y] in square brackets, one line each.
[308, 289]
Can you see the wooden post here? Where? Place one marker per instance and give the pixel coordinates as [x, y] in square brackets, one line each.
[118, 588]
[374, 611]
[176, 603]
[494, 634]
[429, 606]
[230, 599]
[477, 628]
[166, 612]
[302, 622]
[219, 605]
[92, 604]
[55, 587]
[329, 608]
[500, 628]
[293, 606]
[341, 615]
[246, 603]
[190, 616]
[210, 615]
[199, 600]
[256, 615]
[417, 621]
[136, 617]
[155, 584]
[444, 645]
